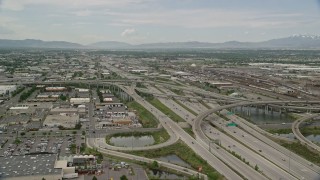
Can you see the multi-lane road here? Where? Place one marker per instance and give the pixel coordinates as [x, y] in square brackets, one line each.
[299, 136]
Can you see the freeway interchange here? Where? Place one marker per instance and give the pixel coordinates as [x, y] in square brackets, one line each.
[273, 161]
[277, 169]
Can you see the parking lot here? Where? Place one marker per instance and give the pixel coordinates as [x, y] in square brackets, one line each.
[25, 145]
[115, 169]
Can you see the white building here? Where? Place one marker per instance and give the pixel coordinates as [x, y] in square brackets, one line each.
[79, 100]
[7, 89]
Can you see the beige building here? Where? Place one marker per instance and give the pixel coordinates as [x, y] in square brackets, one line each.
[30, 167]
[56, 120]
[79, 100]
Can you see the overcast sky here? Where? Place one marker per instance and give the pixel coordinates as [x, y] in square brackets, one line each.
[144, 21]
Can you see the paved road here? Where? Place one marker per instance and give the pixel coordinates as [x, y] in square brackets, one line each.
[251, 156]
[299, 136]
[267, 148]
[91, 142]
[161, 95]
[269, 169]
[11, 102]
[297, 166]
[102, 143]
[194, 145]
[233, 162]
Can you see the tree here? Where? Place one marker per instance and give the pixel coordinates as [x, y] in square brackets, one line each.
[63, 98]
[94, 178]
[256, 168]
[123, 177]
[17, 141]
[155, 165]
[22, 133]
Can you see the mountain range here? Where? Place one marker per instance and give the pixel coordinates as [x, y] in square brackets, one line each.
[292, 42]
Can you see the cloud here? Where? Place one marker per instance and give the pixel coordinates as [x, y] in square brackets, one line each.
[128, 32]
[18, 5]
[82, 13]
[208, 18]
[4, 30]
[12, 5]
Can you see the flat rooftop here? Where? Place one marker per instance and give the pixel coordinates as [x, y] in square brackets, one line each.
[28, 165]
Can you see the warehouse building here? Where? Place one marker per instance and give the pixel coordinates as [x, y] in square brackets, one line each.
[30, 167]
[7, 89]
[77, 101]
[57, 120]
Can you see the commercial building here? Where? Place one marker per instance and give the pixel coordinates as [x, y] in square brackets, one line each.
[138, 71]
[67, 111]
[64, 120]
[221, 85]
[17, 110]
[56, 89]
[78, 101]
[30, 167]
[108, 100]
[7, 89]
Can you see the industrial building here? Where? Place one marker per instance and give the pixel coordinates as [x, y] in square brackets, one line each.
[30, 167]
[7, 89]
[64, 120]
[56, 89]
[17, 110]
[78, 101]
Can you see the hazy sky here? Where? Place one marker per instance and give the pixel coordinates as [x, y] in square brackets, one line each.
[143, 21]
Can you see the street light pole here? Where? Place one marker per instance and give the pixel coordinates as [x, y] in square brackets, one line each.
[289, 158]
[132, 139]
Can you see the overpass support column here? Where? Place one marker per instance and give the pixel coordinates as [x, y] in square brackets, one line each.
[266, 109]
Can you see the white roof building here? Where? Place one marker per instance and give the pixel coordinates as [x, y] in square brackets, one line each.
[79, 100]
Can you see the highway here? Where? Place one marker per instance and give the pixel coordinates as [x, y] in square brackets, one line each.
[279, 155]
[268, 168]
[161, 95]
[299, 136]
[102, 143]
[250, 155]
[91, 143]
[201, 145]
[301, 164]
[233, 162]
[194, 145]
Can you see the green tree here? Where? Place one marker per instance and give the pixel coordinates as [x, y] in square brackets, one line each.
[123, 177]
[17, 141]
[63, 98]
[256, 168]
[94, 178]
[155, 165]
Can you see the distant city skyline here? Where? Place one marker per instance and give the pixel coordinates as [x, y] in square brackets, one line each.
[146, 21]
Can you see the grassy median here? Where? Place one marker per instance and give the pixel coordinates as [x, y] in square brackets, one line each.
[306, 131]
[185, 153]
[303, 151]
[147, 119]
[163, 108]
[185, 107]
